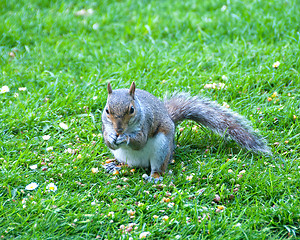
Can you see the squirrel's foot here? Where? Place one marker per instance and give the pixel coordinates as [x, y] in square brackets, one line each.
[155, 177]
[111, 167]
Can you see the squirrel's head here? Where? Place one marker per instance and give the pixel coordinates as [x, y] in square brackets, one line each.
[120, 107]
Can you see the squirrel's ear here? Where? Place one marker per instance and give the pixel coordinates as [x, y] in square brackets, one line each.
[109, 90]
[132, 89]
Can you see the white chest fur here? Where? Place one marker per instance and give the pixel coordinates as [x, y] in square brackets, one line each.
[142, 157]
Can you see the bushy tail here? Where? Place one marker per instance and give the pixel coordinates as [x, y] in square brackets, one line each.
[219, 119]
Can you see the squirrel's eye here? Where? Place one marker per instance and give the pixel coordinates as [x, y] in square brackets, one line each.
[131, 110]
[106, 110]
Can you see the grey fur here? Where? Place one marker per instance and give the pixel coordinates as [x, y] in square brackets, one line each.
[146, 138]
[221, 120]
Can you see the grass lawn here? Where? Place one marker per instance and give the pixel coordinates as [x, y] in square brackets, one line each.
[56, 58]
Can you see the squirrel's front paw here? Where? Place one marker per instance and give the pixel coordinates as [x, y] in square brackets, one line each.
[111, 141]
[121, 139]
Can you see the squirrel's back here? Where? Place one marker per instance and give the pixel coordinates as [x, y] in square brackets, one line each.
[155, 112]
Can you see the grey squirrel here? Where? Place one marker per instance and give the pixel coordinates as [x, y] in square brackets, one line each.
[139, 128]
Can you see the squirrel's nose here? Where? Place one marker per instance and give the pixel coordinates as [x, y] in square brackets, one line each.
[119, 128]
[119, 131]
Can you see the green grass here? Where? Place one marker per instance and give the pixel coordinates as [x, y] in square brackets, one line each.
[65, 61]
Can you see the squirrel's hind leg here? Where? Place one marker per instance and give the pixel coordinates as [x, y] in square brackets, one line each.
[162, 154]
[111, 167]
